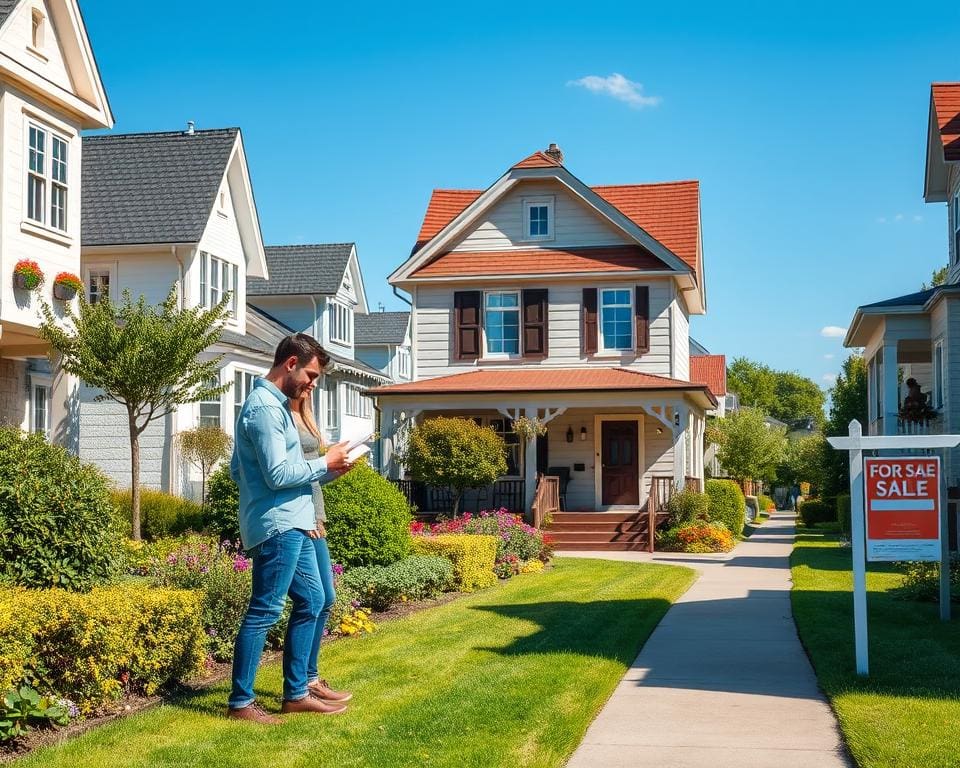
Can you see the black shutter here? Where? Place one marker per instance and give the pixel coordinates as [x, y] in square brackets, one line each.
[642, 312]
[466, 324]
[535, 322]
[588, 323]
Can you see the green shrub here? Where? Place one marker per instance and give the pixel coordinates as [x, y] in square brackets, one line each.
[813, 511]
[57, 523]
[686, 506]
[414, 578]
[93, 647]
[727, 505]
[23, 708]
[222, 509]
[161, 514]
[767, 504]
[515, 537]
[921, 580]
[473, 557]
[843, 513]
[368, 519]
[700, 537]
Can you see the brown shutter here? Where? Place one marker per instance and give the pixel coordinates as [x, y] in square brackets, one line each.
[466, 324]
[588, 325]
[535, 322]
[642, 312]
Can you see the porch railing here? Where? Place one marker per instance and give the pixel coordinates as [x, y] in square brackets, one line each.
[933, 426]
[546, 501]
[438, 500]
[693, 484]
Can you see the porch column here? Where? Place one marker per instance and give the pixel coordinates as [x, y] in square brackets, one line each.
[891, 388]
[530, 464]
[388, 431]
[680, 420]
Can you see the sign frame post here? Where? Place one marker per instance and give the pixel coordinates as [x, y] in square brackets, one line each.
[857, 443]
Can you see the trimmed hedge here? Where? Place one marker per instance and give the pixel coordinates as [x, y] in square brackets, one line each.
[727, 505]
[687, 506]
[416, 577]
[161, 514]
[92, 647]
[368, 519]
[472, 555]
[843, 512]
[813, 511]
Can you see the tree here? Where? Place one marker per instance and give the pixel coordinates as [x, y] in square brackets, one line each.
[939, 277]
[803, 462]
[203, 447]
[785, 395]
[455, 452]
[848, 401]
[754, 384]
[142, 356]
[749, 449]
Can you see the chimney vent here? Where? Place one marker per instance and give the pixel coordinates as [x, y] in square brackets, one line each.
[190, 128]
[554, 151]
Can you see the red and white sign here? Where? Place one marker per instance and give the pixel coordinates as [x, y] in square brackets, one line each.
[903, 508]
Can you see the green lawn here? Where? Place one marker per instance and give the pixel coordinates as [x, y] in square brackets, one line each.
[511, 676]
[907, 713]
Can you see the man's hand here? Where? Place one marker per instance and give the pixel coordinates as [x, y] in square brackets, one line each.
[336, 457]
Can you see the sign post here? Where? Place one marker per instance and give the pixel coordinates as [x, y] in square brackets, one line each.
[903, 516]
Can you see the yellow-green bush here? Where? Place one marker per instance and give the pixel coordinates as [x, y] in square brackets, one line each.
[473, 557]
[161, 514]
[91, 647]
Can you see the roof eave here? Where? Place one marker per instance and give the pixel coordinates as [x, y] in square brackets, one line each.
[935, 173]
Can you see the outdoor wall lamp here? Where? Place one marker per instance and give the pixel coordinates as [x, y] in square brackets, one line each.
[583, 433]
[569, 434]
[659, 430]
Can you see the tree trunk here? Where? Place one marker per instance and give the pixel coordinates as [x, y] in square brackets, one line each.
[134, 476]
[456, 502]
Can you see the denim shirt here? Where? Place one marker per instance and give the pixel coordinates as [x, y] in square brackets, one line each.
[269, 468]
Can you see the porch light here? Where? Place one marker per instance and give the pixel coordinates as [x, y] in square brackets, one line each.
[569, 434]
[659, 430]
[583, 434]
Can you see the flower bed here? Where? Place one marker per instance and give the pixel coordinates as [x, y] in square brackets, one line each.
[700, 537]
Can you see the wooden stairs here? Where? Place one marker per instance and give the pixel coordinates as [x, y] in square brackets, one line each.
[601, 531]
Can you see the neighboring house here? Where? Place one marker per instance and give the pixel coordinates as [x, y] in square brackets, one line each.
[918, 334]
[711, 370]
[160, 211]
[318, 289]
[544, 297]
[383, 342]
[50, 90]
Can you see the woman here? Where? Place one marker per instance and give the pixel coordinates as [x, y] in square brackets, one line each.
[312, 443]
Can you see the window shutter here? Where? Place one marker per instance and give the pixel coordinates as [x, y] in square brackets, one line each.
[588, 325]
[466, 324]
[642, 312]
[535, 322]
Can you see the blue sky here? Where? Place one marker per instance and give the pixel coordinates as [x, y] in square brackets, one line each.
[806, 126]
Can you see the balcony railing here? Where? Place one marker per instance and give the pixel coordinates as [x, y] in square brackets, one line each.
[913, 426]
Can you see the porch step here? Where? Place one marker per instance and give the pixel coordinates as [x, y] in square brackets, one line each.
[595, 517]
[598, 537]
[596, 527]
[606, 546]
[603, 531]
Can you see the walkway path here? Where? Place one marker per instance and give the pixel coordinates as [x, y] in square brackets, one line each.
[723, 680]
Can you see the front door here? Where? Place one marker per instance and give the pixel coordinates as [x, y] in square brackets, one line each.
[620, 465]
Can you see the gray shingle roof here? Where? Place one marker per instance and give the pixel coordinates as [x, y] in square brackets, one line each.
[908, 300]
[151, 187]
[247, 342]
[380, 327]
[302, 269]
[6, 8]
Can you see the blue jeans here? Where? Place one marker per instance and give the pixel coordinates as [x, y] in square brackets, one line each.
[329, 595]
[285, 564]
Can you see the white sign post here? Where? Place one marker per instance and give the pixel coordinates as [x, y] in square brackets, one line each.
[911, 494]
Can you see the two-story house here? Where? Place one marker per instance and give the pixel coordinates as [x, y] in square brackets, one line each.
[383, 342]
[917, 335]
[50, 90]
[544, 297]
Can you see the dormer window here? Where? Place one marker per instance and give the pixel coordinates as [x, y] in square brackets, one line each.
[341, 323]
[37, 29]
[538, 218]
[217, 278]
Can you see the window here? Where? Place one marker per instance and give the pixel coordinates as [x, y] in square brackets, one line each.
[955, 225]
[218, 278]
[341, 323]
[501, 323]
[938, 375]
[504, 428]
[37, 30]
[40, 410]
[44, 146]
[210, 408]
[242, 387]
[357, 403]
[98, 284]
[616, 319]
[332, 388]
[538, 218]
[403, 363]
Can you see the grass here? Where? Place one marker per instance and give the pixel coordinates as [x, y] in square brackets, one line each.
[906, 713]
[509, 676]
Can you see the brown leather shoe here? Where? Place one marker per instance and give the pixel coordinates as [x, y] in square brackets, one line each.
[322, 690]
[253, 713]
[311, 703]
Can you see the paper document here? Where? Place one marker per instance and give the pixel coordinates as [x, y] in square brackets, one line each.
[357, 442]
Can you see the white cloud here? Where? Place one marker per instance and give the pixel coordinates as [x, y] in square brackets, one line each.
[828, 356]
[619, 87]
[833, 332]
[898, 217]
[830, 378]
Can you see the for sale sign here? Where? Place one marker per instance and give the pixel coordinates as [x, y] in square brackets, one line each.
[903, 508]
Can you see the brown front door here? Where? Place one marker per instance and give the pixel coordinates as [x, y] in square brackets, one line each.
[620, 466]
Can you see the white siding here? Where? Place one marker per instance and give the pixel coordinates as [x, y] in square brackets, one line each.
[17, 36]
[379, 357]
[295, 312]
[221, 238]
[576, 224]
[681, 341]
[433, 317]
[953, 184]
[951, 365]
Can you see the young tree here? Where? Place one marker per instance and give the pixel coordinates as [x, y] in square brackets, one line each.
[142, 356]
[455, 452]
[749, 449]
[939, 277]
[803, 462]
[203, 447]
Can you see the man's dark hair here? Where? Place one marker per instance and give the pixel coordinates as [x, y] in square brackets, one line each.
[305, 348]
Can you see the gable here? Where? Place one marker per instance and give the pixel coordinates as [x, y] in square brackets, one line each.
[61, 68]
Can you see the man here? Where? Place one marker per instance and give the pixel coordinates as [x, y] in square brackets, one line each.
[277, 522]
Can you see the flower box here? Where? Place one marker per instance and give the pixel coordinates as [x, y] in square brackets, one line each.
[65, 286]
[27, 275]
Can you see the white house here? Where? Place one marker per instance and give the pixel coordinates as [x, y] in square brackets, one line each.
[50, 90]
[545, 297]
[383, 342]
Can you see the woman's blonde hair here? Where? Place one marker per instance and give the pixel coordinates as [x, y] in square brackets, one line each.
[304, 406]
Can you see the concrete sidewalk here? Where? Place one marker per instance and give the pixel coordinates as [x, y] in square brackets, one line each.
[723, 680]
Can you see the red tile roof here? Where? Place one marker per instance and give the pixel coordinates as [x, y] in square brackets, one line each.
[946, 102]
[541, 261]
[710, 370]
[445, 205]
[538, 160]
[541, 379]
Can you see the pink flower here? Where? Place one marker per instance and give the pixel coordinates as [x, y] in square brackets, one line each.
[240, 564]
